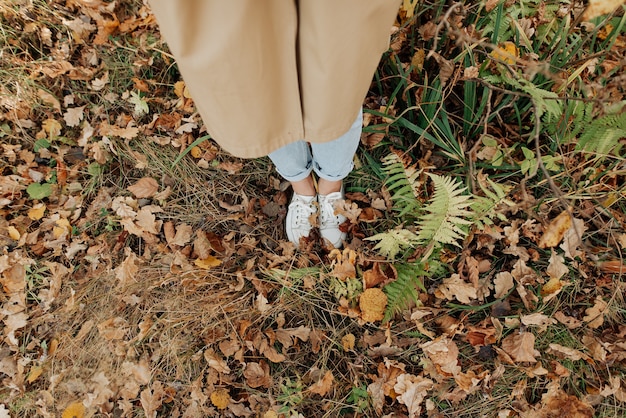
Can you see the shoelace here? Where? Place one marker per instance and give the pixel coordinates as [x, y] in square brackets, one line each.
[301, 212]
[327, 213]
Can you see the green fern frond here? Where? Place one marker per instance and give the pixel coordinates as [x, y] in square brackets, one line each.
[446, 213]
[603, 135]
[403, 184]
[405, 289]
[390, 243]
[485, 208]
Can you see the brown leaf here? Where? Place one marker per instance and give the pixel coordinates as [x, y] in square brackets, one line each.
[456, 288]
[412, 390]
[601, 7]
[257, 374]
[568, 353]
[595, 314]
[444, 354]
[323, 386]
[216, 362]
[286, 336]
[569, 321]
[503, 283]
[144, 188]
[125, 273]
[521, 347]
[74, 115]
[380, 273]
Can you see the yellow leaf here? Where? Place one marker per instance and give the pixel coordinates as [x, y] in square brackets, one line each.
[207, 263]
[74, 410]
[347, 341]
[556, 230]
[506, 53]
[196, 152]
[62, 227]
[14, 233]
[36, 212]
[34, 373]
[372, 303]
[220, 398]
[52, 128]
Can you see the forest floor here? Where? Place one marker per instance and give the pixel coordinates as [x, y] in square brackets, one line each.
[147, 273]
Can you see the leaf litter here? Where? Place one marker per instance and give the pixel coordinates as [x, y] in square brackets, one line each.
[129, 288]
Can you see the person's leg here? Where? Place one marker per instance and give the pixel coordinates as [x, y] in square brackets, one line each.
[332, 162]
[294, 163]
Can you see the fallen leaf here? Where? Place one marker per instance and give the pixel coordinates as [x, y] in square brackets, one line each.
[372, 303]
[257, 374]
[566, 352]
[569, 321]
[14, 234]
[144, 187]
[539, 320]
[595, 314]
[74, 410]
[444, 354]
[555, 230]
[216, 362]
[347, 342]
[456, 288]
[503, 283]
[601, 7]
[521, 347]
[73, 116]
[207, 263]
[323, 386]
[36, 212]
[220, 398]
[412, 390]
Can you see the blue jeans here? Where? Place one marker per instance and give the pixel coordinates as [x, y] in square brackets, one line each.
[331, 160]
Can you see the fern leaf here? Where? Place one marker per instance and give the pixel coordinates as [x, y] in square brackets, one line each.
[446, 213]
[485, 208]
[390, 243]
[405, 289]
[602, 135]
[402, 183]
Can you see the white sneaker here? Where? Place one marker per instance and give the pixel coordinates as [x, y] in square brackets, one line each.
[298, 221]
[329, 221]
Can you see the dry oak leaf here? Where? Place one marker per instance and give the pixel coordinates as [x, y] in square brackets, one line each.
[73, 116]
[125, 272]
[144, 188]
[411, 392]
[74, 410]
[555, 230]
[220, 398]
[569, 321]
[286, 336]
[372, 303]
[323, 386]
[258, 374]
[521, 347]
[444, 353]
[456, 288]
[595, 314]
[556, 403]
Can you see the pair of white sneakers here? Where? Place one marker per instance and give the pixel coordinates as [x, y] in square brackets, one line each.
[301, 211]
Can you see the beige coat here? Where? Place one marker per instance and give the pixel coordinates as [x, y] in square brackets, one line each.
[265, 73]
